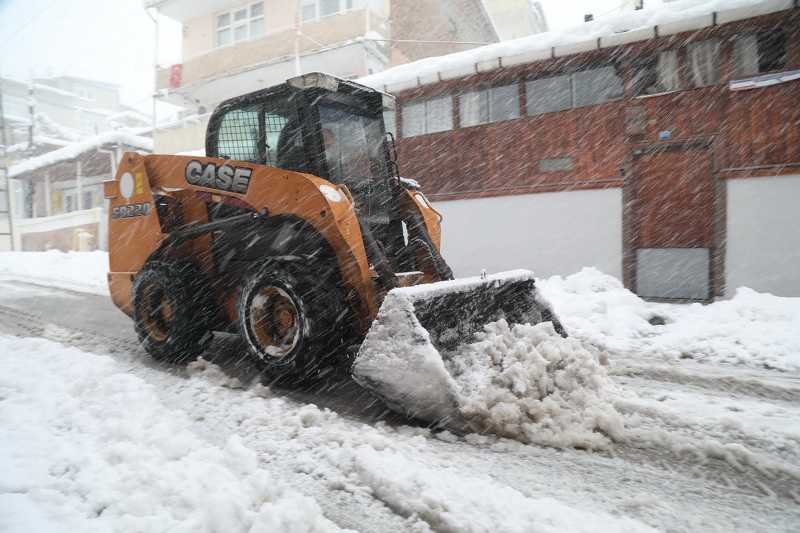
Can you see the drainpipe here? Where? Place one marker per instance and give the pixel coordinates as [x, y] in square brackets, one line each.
[297, 68]
[154, 18]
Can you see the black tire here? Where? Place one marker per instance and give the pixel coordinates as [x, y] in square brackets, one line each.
[311, 292]
[171, 311]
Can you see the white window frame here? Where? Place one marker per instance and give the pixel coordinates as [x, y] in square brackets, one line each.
[344, 6]
[446, 99]
[233, 24]
[486, 98]
[531, 95]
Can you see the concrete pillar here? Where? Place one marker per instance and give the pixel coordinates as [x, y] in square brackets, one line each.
[79, 181]
[48, 195]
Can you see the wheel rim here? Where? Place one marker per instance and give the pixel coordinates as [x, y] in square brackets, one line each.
[157, 313]
[275, 321]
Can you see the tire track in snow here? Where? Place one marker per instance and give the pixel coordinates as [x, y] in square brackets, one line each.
[729, 380]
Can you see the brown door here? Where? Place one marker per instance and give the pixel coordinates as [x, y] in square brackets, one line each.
[671, 231]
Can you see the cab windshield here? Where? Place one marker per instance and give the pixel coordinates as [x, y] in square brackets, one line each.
[353, 143]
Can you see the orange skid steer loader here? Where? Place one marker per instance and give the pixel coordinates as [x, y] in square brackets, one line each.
[291, 232]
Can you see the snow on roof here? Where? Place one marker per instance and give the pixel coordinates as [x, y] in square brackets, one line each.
[56, 90]
[38, 140]
[128, 113]
[73, 150]
[660, 20]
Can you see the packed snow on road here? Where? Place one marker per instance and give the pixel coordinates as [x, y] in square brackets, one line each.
[647, 417]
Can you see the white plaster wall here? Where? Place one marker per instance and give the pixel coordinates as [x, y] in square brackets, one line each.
[549, 233]
[763, 241]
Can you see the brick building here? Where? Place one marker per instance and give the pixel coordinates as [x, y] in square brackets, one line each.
[666, 152]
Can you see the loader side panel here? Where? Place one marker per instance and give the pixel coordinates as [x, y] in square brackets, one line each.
[276, 192]
[415, 202]
[133, 228]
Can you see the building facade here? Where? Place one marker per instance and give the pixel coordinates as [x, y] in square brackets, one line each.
[667, 155]
[516, 18]
[61, 109]
[56, 199]
[232, 47]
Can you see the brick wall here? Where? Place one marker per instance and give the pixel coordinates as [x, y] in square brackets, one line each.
[749, 128]
[740, 133]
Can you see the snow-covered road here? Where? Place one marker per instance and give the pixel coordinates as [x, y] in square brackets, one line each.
[717, 452]
[99, 437]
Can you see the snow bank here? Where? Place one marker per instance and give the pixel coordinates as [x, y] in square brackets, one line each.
[753, 329]
[77, 271]
[529, 383]
[88, 447]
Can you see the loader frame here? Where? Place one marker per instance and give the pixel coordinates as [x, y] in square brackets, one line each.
[152, 195]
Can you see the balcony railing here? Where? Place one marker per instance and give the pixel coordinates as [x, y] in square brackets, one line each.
[279, 43]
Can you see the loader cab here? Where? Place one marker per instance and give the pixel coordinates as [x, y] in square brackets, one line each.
[316, 124]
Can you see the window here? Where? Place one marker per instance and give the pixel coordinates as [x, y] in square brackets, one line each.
[309, 10]
[238, 135]
[656, 74]
[328, 7]
[596, 85]
[390, 122]
[759, 52]
[240, 24]
[274, 124]
[312, 10]
[548, 94]
[489, 105]
[703, 63]
[429, 116]
[555, 164]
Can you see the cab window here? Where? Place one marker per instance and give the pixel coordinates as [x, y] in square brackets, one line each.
[238, 135]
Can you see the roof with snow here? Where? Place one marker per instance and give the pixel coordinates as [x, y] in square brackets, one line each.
[74, 150]
[658, 21]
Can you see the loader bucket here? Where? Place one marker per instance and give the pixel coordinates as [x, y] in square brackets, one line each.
[402, 359]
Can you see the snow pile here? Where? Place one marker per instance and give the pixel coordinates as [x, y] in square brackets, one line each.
[77, 271]
[529, 383]
[87, 447]
[750, 329]
[753, 329]
[524, 382]
[599, 309]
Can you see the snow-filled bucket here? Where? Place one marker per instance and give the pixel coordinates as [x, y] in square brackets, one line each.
[402, 359]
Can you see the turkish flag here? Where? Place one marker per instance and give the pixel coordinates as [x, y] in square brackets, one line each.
[175, 73]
